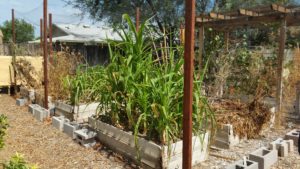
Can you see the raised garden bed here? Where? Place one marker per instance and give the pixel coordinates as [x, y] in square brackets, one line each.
[79, 113]
[150, 154]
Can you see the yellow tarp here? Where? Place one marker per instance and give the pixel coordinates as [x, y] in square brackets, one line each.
[6, 70]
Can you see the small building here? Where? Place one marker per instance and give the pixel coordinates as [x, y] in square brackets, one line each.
[90, 41]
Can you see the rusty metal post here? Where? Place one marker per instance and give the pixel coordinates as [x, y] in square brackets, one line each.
[282, 41]
[41, 34]
[45, 55]
[50, 36]
[13, 26]
[137, 19]
[188, 83]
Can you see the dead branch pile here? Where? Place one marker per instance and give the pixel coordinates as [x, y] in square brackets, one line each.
[27, 74]
[248, 120]
[62, 64]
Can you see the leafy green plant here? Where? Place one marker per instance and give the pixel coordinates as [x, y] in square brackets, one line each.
[3, 128]
[17, 162]
[142, 92]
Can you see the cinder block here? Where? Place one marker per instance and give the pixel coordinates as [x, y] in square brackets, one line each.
[293, 135]
[41, 114]
[281, 146]
[264, 157]
[58, 122]
[241, 165]
[70, 128]
[290, 145]
[225, 137]
[32, 107]
[21, 102]
[85, 137]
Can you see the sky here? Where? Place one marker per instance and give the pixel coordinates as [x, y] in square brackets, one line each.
[32, 10]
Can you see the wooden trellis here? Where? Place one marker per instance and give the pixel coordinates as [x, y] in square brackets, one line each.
[253, 17]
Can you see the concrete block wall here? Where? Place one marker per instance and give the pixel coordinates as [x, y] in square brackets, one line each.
[264, 157]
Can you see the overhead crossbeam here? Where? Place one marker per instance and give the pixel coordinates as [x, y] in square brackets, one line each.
[279, 8]
[219, 16]
[249, 12]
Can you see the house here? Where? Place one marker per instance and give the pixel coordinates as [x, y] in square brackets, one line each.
[90, 41]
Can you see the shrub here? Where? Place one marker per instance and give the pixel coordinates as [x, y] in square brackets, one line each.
[3, 128]
[17, 162]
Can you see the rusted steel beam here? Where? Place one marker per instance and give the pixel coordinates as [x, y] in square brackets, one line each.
[13, 25]
[50, 36]
[45, 54]
[282, 40]
[41, 34]
[137, 19]
[188, 83]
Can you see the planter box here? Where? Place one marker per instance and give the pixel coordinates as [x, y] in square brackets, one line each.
[151, 154]
[79, 113]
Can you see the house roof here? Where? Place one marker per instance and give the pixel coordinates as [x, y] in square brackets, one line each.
[83, 34]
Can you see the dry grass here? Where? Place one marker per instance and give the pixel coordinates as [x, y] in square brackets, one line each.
[62, 64]
[292, 84]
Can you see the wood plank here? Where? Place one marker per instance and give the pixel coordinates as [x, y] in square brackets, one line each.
[279, 8]
[248, 12]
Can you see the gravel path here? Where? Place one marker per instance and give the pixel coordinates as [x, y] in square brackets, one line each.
[49, 148]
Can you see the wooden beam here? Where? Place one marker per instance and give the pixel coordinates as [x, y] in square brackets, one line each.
[281, 9]
[219, 16]
[282, 40]
[248, 12]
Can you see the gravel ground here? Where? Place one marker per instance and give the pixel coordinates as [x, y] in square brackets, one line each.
[49, 148]
[228, 156]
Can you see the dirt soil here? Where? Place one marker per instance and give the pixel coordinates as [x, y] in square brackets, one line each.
[49, 148]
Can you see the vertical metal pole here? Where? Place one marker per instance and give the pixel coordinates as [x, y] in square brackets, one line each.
[13, 49]
[201, 47]
[41, 34]
[137, 19]
[282, 41]
[45, 55]
[188, 83]
[50, 36]
[13, 26]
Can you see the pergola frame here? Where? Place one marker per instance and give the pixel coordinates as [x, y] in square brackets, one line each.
[253, 17]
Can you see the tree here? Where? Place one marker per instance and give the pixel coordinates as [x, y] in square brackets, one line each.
[24, 31]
